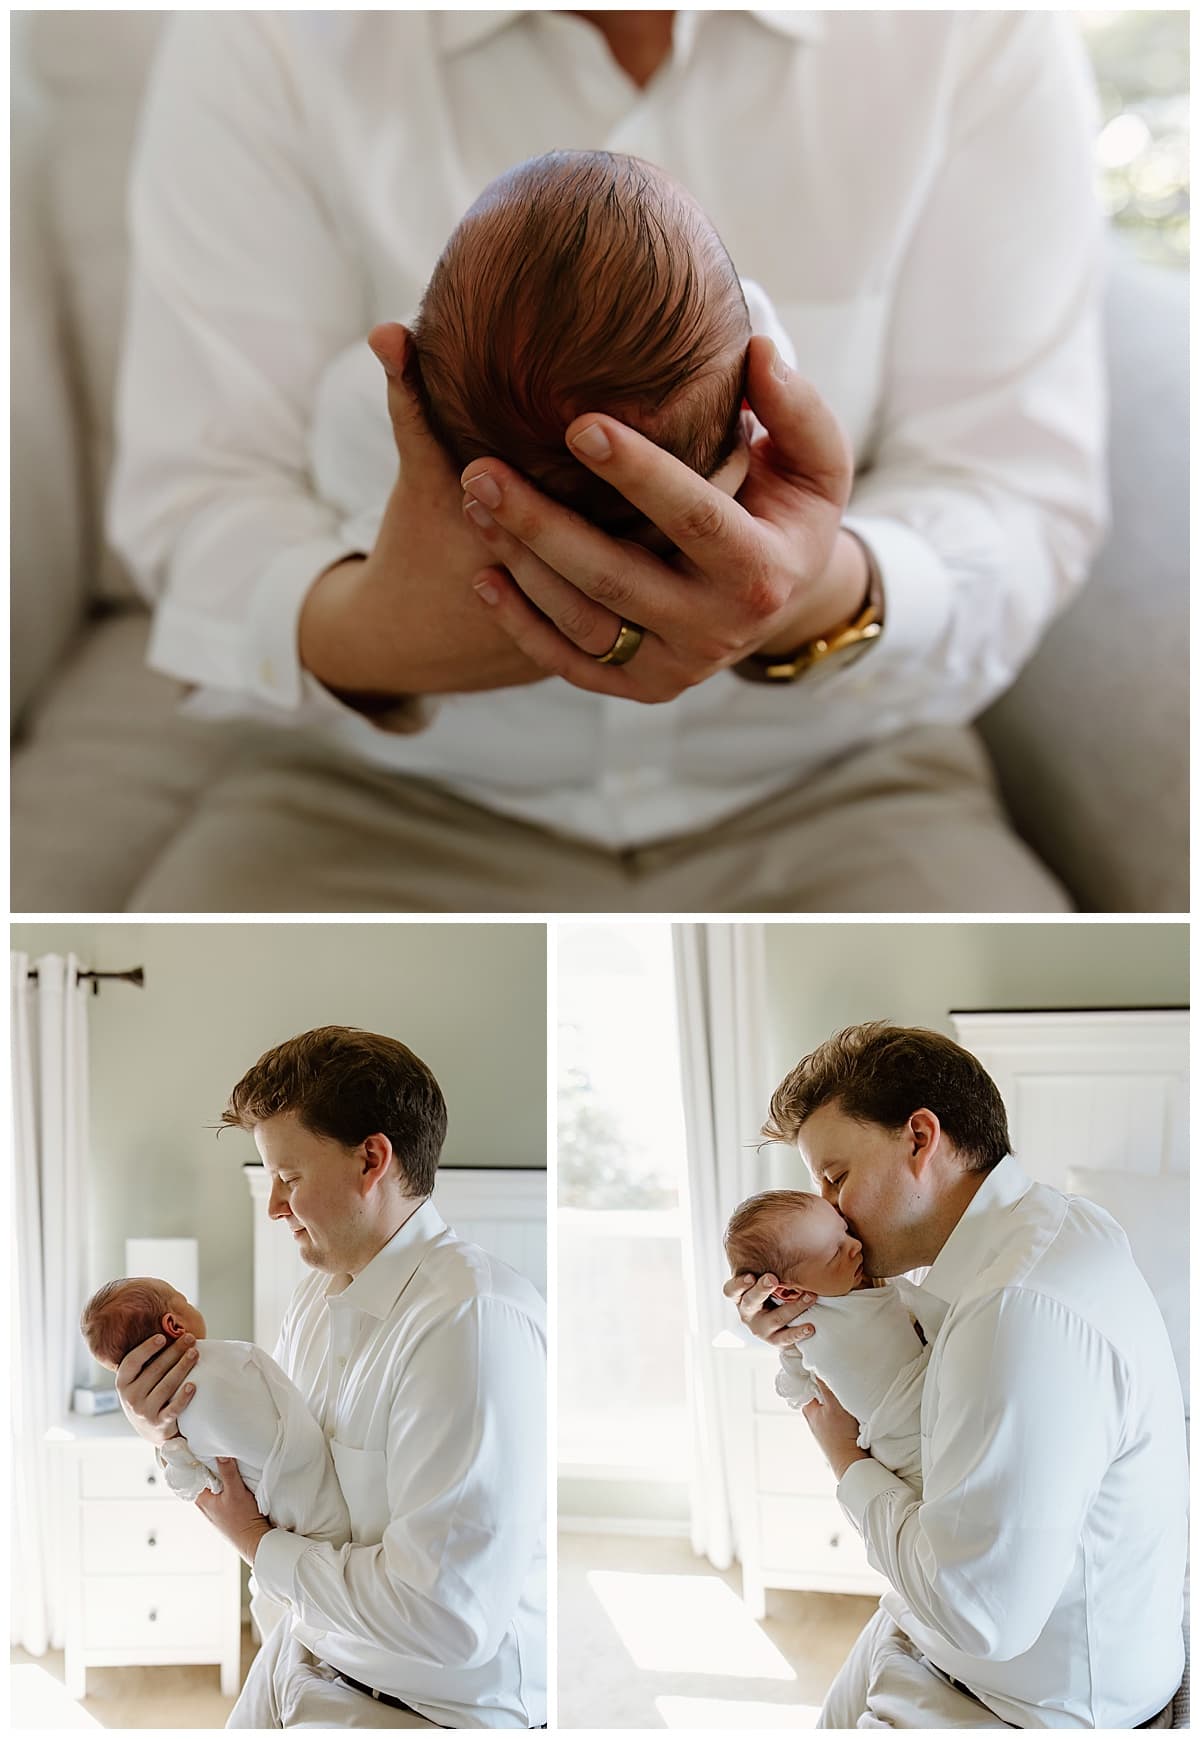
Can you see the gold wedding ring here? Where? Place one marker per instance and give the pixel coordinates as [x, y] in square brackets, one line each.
[629, 638]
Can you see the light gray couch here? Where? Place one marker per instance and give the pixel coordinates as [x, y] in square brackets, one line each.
[1090, 745]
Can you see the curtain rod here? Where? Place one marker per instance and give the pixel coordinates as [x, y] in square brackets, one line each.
[135, 975]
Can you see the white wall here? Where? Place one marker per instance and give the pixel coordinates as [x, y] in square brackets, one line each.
[468, 998]
[824, 976]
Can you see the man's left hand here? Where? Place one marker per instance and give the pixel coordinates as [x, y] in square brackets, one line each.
[834, 1429]
[768, 571]
[234, 1512]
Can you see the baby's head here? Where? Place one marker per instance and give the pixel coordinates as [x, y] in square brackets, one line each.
[584, 281]
[124, 1313]
[799, 1237]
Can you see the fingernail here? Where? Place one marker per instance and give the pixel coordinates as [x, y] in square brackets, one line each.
[487, 591]
[779, 367]
[483, 487]
[189, 1388]
[478, 512]
[592, 441]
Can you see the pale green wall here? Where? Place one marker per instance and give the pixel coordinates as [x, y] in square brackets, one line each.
[468, 998]
[824, 976]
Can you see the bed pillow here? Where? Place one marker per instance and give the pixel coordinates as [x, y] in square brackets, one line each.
[1153, 1212]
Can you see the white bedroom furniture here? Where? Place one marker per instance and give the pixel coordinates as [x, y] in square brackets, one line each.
[790, 1528]
[501, 1208]
[148, 1581]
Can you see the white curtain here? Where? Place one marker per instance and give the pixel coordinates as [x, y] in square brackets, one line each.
[720, 974]
[48, 1220]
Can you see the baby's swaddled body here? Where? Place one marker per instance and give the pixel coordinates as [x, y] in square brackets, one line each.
[866, 1349]
[246, 1406]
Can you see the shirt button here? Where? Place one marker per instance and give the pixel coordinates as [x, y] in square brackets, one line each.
[341, 1364]
[266, 671]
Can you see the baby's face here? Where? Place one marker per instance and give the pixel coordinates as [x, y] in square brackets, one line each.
[825, 1258]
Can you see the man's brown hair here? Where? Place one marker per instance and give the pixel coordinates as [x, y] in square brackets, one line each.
[346, 1084]
[582, 281]
[878, 1073]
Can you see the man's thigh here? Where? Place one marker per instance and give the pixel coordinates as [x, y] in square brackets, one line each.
[914, 824]
[288, 1687]
[884, 1682]
[305, 830]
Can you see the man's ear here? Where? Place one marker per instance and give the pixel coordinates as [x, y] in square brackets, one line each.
[376, 1153]
[924, 1135]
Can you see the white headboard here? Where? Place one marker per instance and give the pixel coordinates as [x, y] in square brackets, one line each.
[502, 1210]
[1098, 1088]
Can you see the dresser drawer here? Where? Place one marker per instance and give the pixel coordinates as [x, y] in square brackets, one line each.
[787, 1458]
[810, 1533]
[155, 1612]
[123, 1537]
[122, 1470]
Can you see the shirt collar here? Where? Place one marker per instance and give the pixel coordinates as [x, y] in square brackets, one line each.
[962, 1256]
[461, 30]
[389, 1271]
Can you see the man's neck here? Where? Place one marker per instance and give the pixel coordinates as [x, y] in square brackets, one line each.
[952, 1204]
[404, 1212]
[638, 41]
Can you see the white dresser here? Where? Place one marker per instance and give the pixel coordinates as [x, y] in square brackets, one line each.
[790, 1528]
[148, 1581]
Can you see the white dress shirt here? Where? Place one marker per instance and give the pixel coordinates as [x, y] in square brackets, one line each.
[428, 1375]
[247, 1407]
[913, 190]
[1044, 1567]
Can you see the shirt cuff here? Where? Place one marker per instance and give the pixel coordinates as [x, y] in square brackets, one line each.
[862, 1482]
[276, 1560]
[916, 587]
[274, 672]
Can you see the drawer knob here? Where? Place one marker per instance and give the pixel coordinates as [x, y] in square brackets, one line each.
[151, 1479]
[152, 1539]
[835, 1540]
[153, 1614]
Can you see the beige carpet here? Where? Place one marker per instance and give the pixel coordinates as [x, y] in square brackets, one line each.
[651, 1636]
[120, 1697]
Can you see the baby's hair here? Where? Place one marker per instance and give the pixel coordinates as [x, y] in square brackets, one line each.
[582, 280]
[121, 1315]
[752, 1241]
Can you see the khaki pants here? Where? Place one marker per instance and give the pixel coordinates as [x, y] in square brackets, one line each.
[886, 1682]
[912, 825]
[289, 1687]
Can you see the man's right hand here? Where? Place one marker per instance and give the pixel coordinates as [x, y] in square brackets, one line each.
[404, 620]
[779, 1328]
[150, 1385]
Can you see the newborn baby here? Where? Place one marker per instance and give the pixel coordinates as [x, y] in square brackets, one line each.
[866, 1347]
[578, 281]
[244, 1406]
[584, 281]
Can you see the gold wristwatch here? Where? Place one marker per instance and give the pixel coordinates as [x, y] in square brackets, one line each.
[840, 647]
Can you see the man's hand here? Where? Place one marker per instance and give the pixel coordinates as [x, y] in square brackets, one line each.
[768, 571]
[152, 1385]
[234, 1511]
[834, 1429]
[403, 620]
[771, 1325]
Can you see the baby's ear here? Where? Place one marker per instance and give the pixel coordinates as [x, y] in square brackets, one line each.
[171, 1325]
[786, 1294]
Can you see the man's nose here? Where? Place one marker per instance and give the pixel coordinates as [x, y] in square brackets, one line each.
[276, 1207]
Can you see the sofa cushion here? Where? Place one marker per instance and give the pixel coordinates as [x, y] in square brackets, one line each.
[105, 775]
[90, 69]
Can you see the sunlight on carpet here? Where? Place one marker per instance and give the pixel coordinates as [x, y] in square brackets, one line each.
[686, 1624]
[39, 1700]
[733, 1716]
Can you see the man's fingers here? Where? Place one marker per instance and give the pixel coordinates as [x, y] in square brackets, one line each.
[735, 1287]
[415, 444]
[808, 445]
[701, 521]
[541, 641]
[590, 626]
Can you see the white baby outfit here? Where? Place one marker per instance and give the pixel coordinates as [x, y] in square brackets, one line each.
[246, 1407]
[868, 1352]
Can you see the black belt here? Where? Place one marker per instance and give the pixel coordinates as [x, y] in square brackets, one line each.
[385, 1697]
